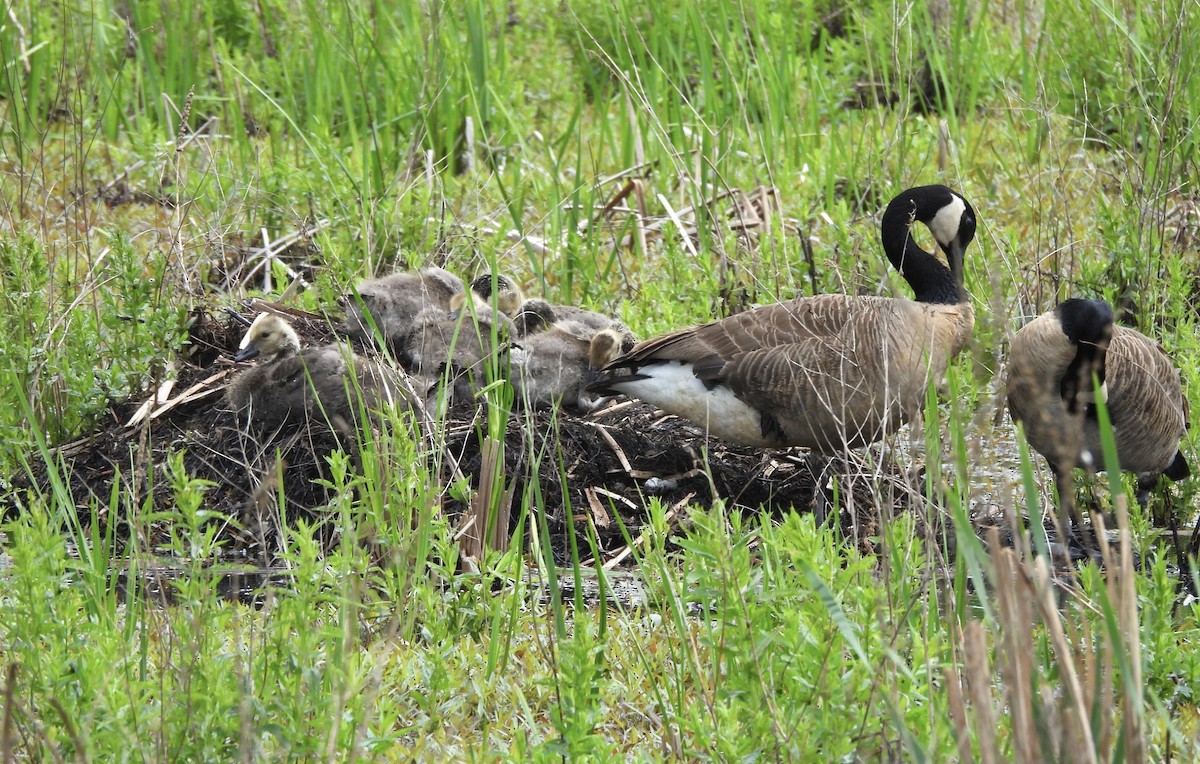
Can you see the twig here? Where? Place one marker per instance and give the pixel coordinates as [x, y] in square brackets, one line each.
[536, 243]
[179, 146]
[10, 703]
[627, 189]
[600, 515]
[22, 52]
[612, 443]
[641, 539]
[614, 408]
[238, 317]
[635, 170]
[687, 240]
[259, 305]
[159, 397]
[271, 250]
[201, 389]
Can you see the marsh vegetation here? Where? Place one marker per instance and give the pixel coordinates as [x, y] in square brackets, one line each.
[163, 161]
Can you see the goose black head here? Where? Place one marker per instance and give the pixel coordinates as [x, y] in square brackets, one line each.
[270, 336]
[1086, 322]
[951, 220]
[952, 224]
[1088, 325]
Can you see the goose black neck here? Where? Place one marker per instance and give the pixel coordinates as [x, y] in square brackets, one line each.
[1088, 325]
[930, 279]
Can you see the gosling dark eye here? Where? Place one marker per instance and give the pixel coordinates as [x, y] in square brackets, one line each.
[266, 334]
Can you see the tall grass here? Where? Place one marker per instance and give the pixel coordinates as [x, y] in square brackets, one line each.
[591, 150]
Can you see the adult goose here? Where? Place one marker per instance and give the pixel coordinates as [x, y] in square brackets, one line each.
[326, 383]
[828, 372]
[1050, 392]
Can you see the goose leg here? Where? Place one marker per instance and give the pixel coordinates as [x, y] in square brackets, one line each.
[1074, 540]
[1194, 544]
[1144, 486]
[820, 468]
[1192, 550]
[1183, 557]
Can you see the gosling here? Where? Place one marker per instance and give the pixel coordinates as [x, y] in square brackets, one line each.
[533, 315]
[459, 342]
[326, 383]
[553, 366]
[386, 308]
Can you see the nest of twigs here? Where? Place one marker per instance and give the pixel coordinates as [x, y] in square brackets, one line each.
[594, 471]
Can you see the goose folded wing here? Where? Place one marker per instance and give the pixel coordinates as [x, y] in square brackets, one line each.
[820, 318]
[787, 380]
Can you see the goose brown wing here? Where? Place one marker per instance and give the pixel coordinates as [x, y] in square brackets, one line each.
[815, 374]
[1145, 396]
[772, 326]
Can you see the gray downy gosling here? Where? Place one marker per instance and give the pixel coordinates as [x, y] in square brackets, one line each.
[327, 383]
[553, 366]
[532, 315]
[457, 343]
[387, 308]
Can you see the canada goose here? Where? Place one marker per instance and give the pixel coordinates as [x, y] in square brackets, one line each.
[536, 314]
[394, 301]
[1050, 393]
[827, 372]
[291, 383]
[553, 365]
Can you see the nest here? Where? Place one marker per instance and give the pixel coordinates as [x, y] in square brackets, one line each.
[589, 474]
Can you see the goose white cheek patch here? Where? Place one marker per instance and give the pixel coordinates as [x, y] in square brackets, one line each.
[944, 225]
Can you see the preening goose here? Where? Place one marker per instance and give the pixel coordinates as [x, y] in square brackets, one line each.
[291, 384]
[1050, 393]
[826, 372]
[393, 302]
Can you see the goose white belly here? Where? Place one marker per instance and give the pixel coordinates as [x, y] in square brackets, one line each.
[674, 388]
